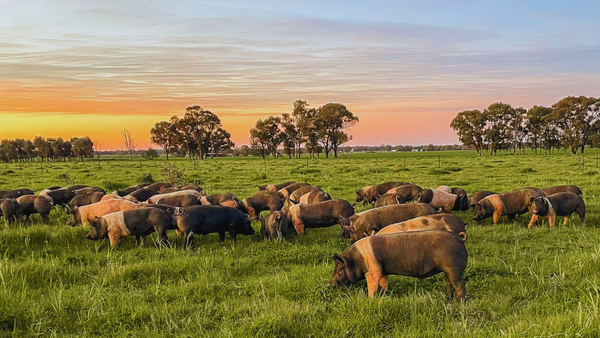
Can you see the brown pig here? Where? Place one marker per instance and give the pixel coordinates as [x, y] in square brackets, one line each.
[478, 196]
[562, 188]
[314, 197]
[224, 199]
[11, 210]
[318, 215]
[138, 222]
[408, 191]
[512, 203]
[438, 199]
[32, 204]
[389, 199]
[274, 226]
[295, 196]
[370, 193]
[560, 204]
[261, 201]
[288, 190]
[418, 254]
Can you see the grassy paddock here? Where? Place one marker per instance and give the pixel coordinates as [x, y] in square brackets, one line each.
[536, 282]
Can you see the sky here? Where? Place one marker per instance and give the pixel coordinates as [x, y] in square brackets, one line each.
[76, 68]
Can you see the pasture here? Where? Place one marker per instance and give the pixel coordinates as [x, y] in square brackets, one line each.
[520, 282]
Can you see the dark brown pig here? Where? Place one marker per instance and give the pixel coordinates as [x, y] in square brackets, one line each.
[560, 204]
[224, 199]
[141, 195]
[139, 223]
[563, 188]
[408, 191]
[462, 199]
[89, 190]
[15, 193]
[261, 201]
[157, 186]
[371, 222]
[60, 196]
[314, 197]
[275, 187]
[446, 222]
[178, 200]
[318, 215]
[389, 199]
[274, 226]
[206, 219]
[478, 196]
[11, 210]
[288, 190]
[32, 204]
[414, 253]
[169, 190]
[169, 210]
[512, 203]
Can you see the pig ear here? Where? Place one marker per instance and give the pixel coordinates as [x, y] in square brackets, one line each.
[398, 199]
[168, 211]
[278, 216]
[234, 198]
[342, 220]
[440, 209]
[339, 259]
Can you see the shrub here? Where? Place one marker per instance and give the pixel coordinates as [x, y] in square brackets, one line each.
[145, 178]
[66, 178]
[172, 174]
[112, 185]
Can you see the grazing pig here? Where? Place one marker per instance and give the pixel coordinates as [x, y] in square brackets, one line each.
[389, 199]
[206, 219]
[169, 210]
[462, 199]
[184, 200]
[274, 226]
[224, 199]
[84, 214]
[408, 191]
[125, 192]
[16, 193]
[478, 196]
[560, 204]
[288, 190]
[562, 188]
[445, 189]
[295, 196]
[60, 196]
[192, 186]
[138, 222]
[11, 210]
[275, 187]
[414, 253]
[261, 201]
[32, 204]
[141, 195]
[89, 190]
[371, 222]
[512, 203]
[318, 215]
[158, 197]
[446, 222]
[157, 186]
[81, 200]
[314, 197]
[438, 199]
[369, 194]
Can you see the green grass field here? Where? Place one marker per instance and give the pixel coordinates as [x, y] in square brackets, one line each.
[520, 282]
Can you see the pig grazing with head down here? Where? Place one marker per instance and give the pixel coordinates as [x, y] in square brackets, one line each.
[140, 195]
[408, 191]
[288, 190]
[32, 204]
[11, 210]
[478, 196]
[274, 226]
[418, 254]
[261, 201]
[560, 204]
[295, 196]
[511, 203]
[370, 193]
[138, 222]
[318, 215]
[84, 214]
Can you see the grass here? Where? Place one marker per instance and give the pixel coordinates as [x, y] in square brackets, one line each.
[520, 282]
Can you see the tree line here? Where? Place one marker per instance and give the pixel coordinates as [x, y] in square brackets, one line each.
[46, 149]
[571, 123]
[198, 134]
[320, 129]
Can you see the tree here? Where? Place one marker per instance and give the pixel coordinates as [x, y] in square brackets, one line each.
[130, 144]
[166, 135]
[332, 119]
[499, 125]
[150, 154]
[197, 126]
[290, 135]
[219, 141]
[470, 127]
[578, 118]
[519, 128]
[82, 147]
[537, 125]
[266, 136]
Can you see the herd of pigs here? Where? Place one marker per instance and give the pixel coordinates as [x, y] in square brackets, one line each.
[395, 237]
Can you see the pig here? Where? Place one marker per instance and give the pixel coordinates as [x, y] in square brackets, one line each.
[205, 219]
[389, 199]
[478, 196]
[314, 197]
[110, 196]
[446, 222]
[60, 196]
[125, 192]
[444, 188]
[438, 199]
[275, 187]
[274, 226]
[169, 210]
[562, 188]
[408, 191]
[11, 210]
[76, 187]
[225, 199]
[138, 222]
[192, 186]
[157, 186]
[16, 193]
[89, 190]
[184, 200]
[168, 190]
[262, 200]
[295, 196]
[158, 197]
[462, 199]
[32, 204]
[369, 194]
[512, 203]
[85, 199]
[84, 214]
[560, 204]
[141, 195]
[288, 190]
[318, 215]
[414, 253]
[371, 222]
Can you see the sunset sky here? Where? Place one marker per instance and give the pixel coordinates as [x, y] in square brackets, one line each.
[75, 68]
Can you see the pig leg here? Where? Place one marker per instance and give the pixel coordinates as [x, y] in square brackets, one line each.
[566, 220]
[458, 283]
[139, 240]
[188, 240]
[497, 216]
[383, 282]
[449, 288]
[534, 219]
[581, 213]
[45, 218]
[299, 226]
[552, 220]
[114, 238]
[221, 236]
[373, 279]
[232, 234]
[162, 235]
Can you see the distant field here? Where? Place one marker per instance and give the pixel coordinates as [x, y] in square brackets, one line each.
[520, 282]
